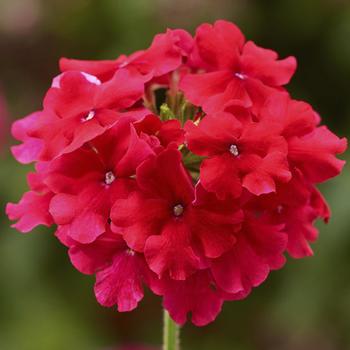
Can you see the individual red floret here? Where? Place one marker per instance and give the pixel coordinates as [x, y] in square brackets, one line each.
[120, 272]
[198, 295]
[77, 109]
[259, 248]
[88, 181]
[249, 154]
[235, 70]
[161, 220]
[121, 283]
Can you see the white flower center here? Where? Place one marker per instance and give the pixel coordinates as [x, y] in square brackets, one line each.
[90, 116]
[178, 210]
[234, 150]
[109, 178]
[130, 252]
[240, 76]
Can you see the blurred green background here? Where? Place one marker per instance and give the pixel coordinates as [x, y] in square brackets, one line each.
[46, 305]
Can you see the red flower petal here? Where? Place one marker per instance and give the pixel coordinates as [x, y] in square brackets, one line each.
[219, 175]
[31, 147]
[90, 258]
[31, 211]
[262, 179]
[259, 249]
[196, 295]
[135, 218]
[165, 176]
[198, 88]
[122, 91]
[121, 283]
[213, 135]
[314, 154]
[263, 64]
[103, 69]
[172, 252]
[219, 45]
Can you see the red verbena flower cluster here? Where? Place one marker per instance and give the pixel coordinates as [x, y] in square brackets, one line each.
[186, 167]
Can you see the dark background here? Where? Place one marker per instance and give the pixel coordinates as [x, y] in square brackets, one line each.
[45, 304]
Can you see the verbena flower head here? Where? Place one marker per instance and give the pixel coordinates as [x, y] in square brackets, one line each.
[186, 168]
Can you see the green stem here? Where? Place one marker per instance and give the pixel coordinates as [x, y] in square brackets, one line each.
[171, 333]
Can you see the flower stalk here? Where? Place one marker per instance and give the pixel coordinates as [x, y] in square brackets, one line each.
[171, 333]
